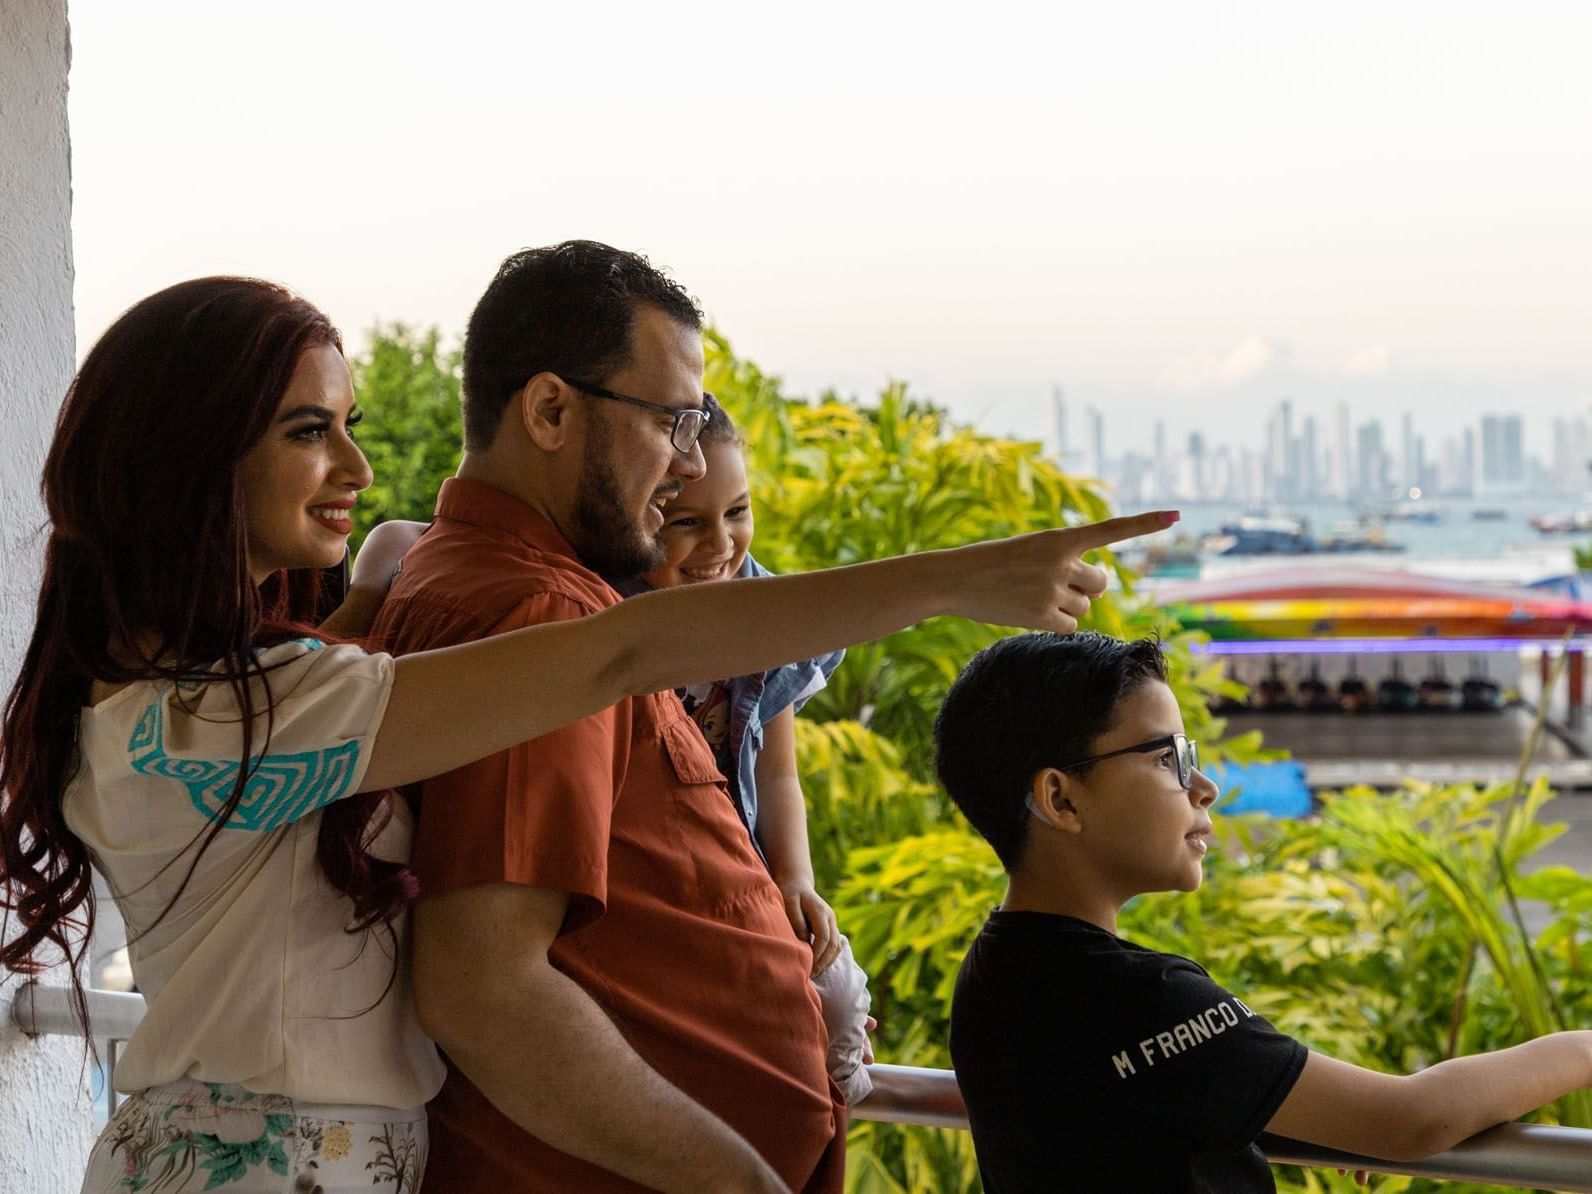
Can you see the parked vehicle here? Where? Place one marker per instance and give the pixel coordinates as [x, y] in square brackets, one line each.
[1272, 692]
[1395, 694]
[1314, 693]
[1435, 691]
[1354, 694]
[1479, 693]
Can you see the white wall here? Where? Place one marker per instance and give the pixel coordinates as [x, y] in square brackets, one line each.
[45, 1124]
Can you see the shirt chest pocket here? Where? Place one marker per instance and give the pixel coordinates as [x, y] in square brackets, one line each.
[689, 756]
[714, 858]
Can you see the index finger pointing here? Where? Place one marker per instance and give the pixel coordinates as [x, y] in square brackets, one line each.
[1115, 530]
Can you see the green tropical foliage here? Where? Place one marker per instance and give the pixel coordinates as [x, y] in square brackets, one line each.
[407, 386]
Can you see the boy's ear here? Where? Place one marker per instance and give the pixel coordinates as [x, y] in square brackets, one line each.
[1050, 799]
[545, 405]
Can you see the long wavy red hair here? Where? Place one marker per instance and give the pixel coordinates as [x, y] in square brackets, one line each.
[146, 576]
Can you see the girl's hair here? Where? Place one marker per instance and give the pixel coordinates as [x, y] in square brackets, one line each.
[146, 577]
[720, 428]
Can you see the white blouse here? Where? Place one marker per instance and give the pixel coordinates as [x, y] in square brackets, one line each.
[250, 977]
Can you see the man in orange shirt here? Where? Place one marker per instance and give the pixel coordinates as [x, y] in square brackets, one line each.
[599, 950]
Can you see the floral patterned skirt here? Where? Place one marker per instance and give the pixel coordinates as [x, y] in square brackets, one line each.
[190, 1136]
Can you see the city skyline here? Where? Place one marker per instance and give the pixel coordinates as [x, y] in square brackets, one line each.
[1307, 456]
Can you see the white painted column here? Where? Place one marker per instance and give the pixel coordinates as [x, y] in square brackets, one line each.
[45, 1119]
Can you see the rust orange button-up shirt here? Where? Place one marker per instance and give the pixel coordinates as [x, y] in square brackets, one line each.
[675, 928]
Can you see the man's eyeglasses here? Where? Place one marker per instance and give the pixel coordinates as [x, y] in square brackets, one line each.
[688, 420]
[1185, 751]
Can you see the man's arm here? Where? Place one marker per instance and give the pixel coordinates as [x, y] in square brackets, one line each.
[547, 1057]
[1406, 1118]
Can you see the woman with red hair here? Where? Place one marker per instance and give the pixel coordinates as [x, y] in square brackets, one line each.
[180, 726]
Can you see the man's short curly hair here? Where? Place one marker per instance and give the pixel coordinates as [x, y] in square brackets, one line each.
[566, 309]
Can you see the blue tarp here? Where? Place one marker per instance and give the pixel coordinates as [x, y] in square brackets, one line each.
[1277, 789]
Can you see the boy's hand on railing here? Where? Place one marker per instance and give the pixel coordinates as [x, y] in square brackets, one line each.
[1040, 580]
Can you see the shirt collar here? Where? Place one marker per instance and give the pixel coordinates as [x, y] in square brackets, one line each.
[493, 509]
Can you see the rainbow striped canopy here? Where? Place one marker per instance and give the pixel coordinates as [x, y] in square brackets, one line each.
[1291, 603]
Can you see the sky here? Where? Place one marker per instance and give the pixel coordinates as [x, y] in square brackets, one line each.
[1175, 211]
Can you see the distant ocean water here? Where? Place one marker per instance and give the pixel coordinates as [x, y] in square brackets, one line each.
[1457, 535]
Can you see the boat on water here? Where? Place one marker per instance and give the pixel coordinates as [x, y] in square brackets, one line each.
[1179, 558]
[1279, 534]
[1262, 535]
[1562, 524]
[1364, 535]
[1489, 514]
[1417, 510]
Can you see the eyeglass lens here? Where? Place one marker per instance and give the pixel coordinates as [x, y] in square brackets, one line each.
[688, 425]
[1188, 760]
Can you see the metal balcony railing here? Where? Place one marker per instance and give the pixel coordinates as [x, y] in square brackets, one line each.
[1529, 1156]
[1525, 1156]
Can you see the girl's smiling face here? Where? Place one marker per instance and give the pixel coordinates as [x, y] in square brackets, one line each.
[707, 529]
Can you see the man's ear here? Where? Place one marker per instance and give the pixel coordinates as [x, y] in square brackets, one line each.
[546, 408]
[1050, 795]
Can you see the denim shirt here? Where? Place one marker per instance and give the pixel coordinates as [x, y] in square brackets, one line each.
[756, 700]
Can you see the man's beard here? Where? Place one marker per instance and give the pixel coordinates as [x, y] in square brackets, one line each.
[610, 541]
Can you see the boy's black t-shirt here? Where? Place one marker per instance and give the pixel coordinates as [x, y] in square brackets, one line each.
[1092, 1064]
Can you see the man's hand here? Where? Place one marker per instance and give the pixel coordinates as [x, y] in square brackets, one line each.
[547, 1057]
[1040, 580]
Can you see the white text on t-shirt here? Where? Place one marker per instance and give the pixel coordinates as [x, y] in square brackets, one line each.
[1185, 1035]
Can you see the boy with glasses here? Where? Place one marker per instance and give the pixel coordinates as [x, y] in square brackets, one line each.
[1089, 1063]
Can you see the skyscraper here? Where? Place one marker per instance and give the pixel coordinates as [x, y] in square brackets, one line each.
[1342, 458]
[1568, 466]
[1096, 460]
[1058, 411]
[1282, 454]
[1410, 470]
[1371, 482]
[1503, 464]
[1199, 475]
[1309, 453]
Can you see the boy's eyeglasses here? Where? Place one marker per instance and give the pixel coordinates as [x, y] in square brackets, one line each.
[1186, 751]
[688, 420]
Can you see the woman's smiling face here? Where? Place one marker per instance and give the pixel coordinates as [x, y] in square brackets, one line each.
[707, 529]
[299, 481]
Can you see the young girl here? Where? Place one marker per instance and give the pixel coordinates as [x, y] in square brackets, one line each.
[750, 722]
[175, 725]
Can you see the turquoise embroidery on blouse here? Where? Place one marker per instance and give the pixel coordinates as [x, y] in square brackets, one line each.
[280, 788]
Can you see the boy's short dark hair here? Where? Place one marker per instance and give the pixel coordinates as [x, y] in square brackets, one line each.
[1025, 703]
[565, 309]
